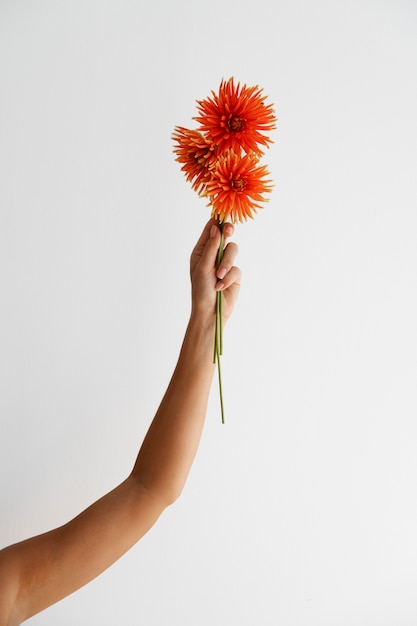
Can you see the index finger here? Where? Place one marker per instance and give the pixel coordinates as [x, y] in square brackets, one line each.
[228, 230]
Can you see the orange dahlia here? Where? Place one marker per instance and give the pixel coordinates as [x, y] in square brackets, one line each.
[236, 117]
[236, 187]
[197, 155]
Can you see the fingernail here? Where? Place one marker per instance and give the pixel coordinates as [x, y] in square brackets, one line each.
[219, 286]
[221, 273]
[213, 231]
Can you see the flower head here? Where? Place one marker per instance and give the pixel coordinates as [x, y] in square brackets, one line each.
[237, 186]
[236, 117]
[197, 155]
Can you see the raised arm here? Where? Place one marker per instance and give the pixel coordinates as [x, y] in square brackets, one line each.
[42, 570]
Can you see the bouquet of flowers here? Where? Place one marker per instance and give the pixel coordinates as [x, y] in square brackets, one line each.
[221, 160]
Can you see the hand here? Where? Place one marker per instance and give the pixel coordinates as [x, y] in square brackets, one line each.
[206, 279]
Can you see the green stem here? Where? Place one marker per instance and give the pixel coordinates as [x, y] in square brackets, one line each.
[219, 371]
[220, 293]
[218, 337]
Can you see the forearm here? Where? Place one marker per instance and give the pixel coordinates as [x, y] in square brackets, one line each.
[170, 445]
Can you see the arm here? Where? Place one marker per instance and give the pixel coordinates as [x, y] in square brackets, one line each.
[42, 570]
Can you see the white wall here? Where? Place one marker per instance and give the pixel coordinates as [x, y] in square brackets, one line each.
[301, 510]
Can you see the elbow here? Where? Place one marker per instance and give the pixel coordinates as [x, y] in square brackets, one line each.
[172, 494]
[164, 492]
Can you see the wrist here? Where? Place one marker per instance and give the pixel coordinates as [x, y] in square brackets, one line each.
[202, 325]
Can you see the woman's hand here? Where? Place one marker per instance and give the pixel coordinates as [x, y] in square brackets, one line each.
[207, 279]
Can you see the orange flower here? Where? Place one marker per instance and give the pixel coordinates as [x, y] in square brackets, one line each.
[196, 153]
[236, 118]
[237, 186]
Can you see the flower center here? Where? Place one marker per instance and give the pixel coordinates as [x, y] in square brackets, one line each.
[235, 123]
[238, 184]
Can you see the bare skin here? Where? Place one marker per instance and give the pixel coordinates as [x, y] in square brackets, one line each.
[42, 570]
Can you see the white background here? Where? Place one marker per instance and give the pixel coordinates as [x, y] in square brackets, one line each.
[301, 510]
